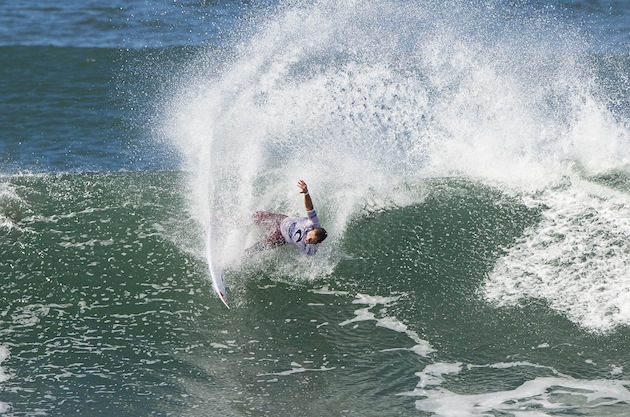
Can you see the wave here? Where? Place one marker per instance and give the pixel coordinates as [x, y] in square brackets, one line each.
[105, 276]
[369, 102]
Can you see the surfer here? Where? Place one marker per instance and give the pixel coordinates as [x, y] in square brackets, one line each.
[304, 232]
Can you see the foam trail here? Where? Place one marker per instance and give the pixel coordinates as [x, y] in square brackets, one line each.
[365, 99]
[421, 347]
[540, 396]
[529, 398]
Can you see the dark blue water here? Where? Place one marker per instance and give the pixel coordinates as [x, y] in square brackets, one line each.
[469, 160]
[120, 24]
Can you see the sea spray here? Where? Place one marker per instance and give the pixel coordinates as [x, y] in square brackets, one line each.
[365, 101]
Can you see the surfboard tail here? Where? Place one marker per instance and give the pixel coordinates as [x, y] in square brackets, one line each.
[224, 299]
[216, 272]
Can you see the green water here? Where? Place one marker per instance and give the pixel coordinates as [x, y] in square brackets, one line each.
[108, 310]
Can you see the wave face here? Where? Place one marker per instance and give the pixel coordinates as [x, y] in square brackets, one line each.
[106, 292]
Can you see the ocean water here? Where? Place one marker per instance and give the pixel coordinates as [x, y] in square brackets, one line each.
[469, 159]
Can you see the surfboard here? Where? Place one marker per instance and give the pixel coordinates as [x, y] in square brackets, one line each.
[216, 272]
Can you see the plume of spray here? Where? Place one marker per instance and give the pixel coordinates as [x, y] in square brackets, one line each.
[364, 100]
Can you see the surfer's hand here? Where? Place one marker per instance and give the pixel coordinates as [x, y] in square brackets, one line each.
[303, 187]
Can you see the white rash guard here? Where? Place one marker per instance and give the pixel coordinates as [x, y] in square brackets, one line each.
[294, 230]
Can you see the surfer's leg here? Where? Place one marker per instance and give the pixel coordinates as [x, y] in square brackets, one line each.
[270, 221]
[268, 218]
[274, 239]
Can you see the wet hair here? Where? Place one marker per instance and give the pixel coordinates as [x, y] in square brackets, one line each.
[320, 234]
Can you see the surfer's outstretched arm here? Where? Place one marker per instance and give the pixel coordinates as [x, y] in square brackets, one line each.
[308, 203]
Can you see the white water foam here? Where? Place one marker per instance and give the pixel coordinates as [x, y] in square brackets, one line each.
[11, 205]
[296, 368]
[538, 397]
[421, 347]
[4, 376]
[577, 258]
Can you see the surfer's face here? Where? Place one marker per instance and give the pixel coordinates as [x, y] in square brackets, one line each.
[311, 238]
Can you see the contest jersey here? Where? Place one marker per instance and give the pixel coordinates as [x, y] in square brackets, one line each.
[294, 230]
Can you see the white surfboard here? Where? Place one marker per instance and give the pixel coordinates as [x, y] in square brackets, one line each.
[216, 272]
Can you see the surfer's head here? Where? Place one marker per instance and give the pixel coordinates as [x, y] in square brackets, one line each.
[316, 236]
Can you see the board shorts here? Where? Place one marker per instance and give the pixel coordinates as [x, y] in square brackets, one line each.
[271, 221]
